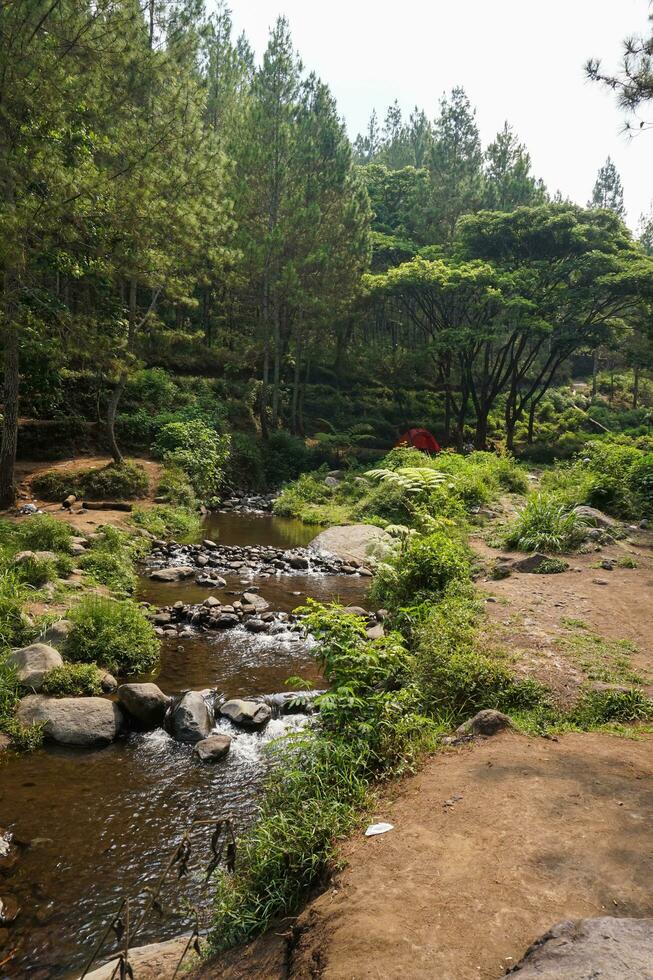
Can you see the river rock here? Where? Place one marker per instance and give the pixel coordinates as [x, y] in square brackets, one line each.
[57, 634]
[189, 719]
[87, 722]
[177, 574]
[212, 748]
[23, 556]
[485, 722]
[613, 948]
[532, 563]
[225, 620]
[34, 663]
[376, 632]
[595, 517]
[255, 625]
[249, 714]
[354, 541]
[158, 961]
[108, 682]
[9, 909]
[145, 703]
[252, 599]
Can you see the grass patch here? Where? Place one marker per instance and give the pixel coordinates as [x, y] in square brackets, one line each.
[114, 634]
[601, 659]
[73, 680]
[546, 525]
[165, 521]
[41, 532]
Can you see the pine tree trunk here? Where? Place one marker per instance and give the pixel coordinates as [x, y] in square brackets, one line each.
[112, 411]
[531, 423]
[10, 398]
[276, 373]
[635, 386]
[296, 380]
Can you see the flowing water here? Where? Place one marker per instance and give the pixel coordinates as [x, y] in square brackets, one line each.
[101, 825]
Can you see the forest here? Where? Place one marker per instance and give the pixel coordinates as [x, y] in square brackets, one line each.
[279, 684]
[202, 232]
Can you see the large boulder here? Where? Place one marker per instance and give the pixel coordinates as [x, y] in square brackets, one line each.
[87, 722]
[145, 703]
[177, 574]
[595, 517]
[212, 748]
[249, 714]
[615, 949]
[157, 961]
[486, 722]
[253, 599]
[24, 556]
[34, 663]
[359, 542]
[189, 719]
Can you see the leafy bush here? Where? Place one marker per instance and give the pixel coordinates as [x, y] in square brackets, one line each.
[199, 451]
[14, 628]
[73, 680]
[111, 568]
[246, 469]
[36, 571]
[422, 570]
[546, 525]
[174, 486]
[41, 532]
[640, 479]
[284, 457]
[112, 482]
[114, 634]
[596, 708]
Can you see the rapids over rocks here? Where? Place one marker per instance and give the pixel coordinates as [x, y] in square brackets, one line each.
[94, 826]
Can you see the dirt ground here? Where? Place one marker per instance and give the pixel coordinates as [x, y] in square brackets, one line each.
[541, 831]
[535, 616]
[91, 519]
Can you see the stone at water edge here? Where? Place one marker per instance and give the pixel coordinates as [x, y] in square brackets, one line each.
[485, 722]
[354, 541]
[252, 599]
[249, 714]
[34, 663]
[212, 748]
[145, 703]
[9, 909]
[158, 961]
[86, 722]
[176, 574]
[612, 948]
[189, 719]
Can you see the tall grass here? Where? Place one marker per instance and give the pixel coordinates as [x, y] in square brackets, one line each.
[545, 524]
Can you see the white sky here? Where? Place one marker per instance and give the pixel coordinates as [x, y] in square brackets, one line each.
[517, 59]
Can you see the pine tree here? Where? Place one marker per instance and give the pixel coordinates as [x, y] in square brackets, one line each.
[508, 180]
[456, 163]
[608, 190]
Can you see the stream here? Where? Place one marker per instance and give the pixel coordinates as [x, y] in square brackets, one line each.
[101, 825]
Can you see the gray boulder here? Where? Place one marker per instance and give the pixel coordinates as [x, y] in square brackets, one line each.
[359, 542]
[252, 599]
[595, 517]
[249, 714]
[87, 722]
[485, 722]
[34, 663]
[145, 703]
[532, 563]
[189, 718]
[23, 556]
[212, 748]
[57, 634]
[584, 949]
[177, 574]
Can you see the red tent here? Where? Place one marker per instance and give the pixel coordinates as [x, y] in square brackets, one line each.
[420, 439]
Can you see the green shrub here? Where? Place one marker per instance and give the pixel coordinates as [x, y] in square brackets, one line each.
[454, 677]
[9, 689]
[14, 627]
[553, 566]
[422, 570]
[165, 521]
[114, 634]
[24, 738]
[35, 571]
[73, 680]
[113, 482]
[286, 456]
[199, 451]
[546, 525]
[246, 467]
[174, 486]
[41, 532]
[640, 479]
[106, 567]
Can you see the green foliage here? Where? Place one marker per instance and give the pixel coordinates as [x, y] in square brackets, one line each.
[174, 486]
[552, 566]
[35, 571]
[165, 521]
[421, 571]
[640, 480]
[14, 629]
[546, 525]
[246, 466]
[198, 451]
[596, 708]
[41, 532]
[24, 738]
[114, 634]
[112, 482]
[103, 566]
[454, 677]
[73, 680]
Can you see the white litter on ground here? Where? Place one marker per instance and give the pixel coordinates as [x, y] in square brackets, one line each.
[378, 828]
